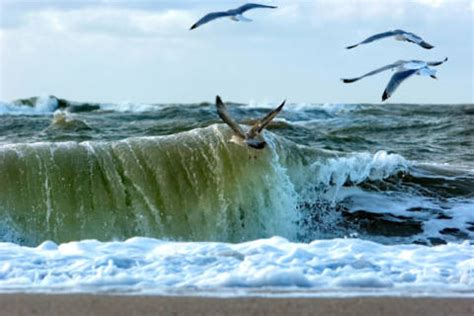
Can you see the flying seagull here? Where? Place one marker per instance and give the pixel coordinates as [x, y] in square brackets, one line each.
[252, 137]
[400, 35]
[403, 70]
[233, 14]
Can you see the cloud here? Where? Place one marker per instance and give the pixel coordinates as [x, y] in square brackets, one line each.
[112, 22]
[325, 10]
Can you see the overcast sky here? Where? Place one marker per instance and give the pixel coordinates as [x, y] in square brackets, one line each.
[143, 51]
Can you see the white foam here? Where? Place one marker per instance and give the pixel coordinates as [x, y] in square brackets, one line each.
[359, 167]
[129, 107]
[149, 265]
[44, 105]
[330, 108]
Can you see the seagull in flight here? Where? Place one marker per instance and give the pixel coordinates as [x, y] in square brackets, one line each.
[403, 70]
[400, 35]
[252, 137]
[233, 14]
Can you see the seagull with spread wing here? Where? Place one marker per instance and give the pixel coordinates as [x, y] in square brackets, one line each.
[399, 35]
[252, 137]
[233, 14]
[404, 69]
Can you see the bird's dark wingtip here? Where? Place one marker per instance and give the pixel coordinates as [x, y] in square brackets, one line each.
[351, 46]
[426, 45]
[348, 80]
[385, 96]
[193, 27]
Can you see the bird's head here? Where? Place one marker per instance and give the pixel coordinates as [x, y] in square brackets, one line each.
[256, 143]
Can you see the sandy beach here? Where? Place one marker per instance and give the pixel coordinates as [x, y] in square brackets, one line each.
[88, 304]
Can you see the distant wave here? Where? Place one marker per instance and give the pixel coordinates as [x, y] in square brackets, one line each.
[46, 105]
[33, 106]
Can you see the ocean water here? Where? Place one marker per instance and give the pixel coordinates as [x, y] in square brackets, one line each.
[347, 199]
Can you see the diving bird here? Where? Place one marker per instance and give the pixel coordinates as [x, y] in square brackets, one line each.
[403, 70]
[252, 137]
[233, 14]
[400, 35]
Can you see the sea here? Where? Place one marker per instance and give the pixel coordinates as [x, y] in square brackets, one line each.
[135, 198]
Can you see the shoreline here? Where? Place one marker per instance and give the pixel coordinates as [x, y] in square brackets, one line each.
[116, 305]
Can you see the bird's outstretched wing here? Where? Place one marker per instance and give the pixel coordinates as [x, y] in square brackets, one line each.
[209, 17]
[377, 37]
[224, 115]
[258, 127]
[373, 72]
[437, 63]
[396, 80]
[250, 6]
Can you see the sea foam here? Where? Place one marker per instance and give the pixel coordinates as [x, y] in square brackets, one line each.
[147, 265]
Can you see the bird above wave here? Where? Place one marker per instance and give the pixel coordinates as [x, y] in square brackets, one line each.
[233, 14]
[400, 35]
[404, 69]
[252, 137]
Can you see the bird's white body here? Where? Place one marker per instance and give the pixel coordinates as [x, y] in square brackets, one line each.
[413, 65]
[240, 18]
[400, 37]
[237, 140]
[426, 71]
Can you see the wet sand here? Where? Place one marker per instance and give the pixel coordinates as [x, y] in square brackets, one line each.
[116, 305]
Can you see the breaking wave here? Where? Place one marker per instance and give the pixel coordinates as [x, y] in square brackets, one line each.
[188, 186]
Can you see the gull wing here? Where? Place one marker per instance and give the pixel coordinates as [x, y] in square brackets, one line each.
[224, 115]
[396, 80]
[373, 72]
[250, 6]
[413, 38]
[258, 127]
[377, 37]
[437, 63]
[209, 17]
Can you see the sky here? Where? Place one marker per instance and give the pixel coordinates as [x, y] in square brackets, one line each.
[143, 51]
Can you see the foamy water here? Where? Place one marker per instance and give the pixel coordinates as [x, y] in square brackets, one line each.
[145, 265]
